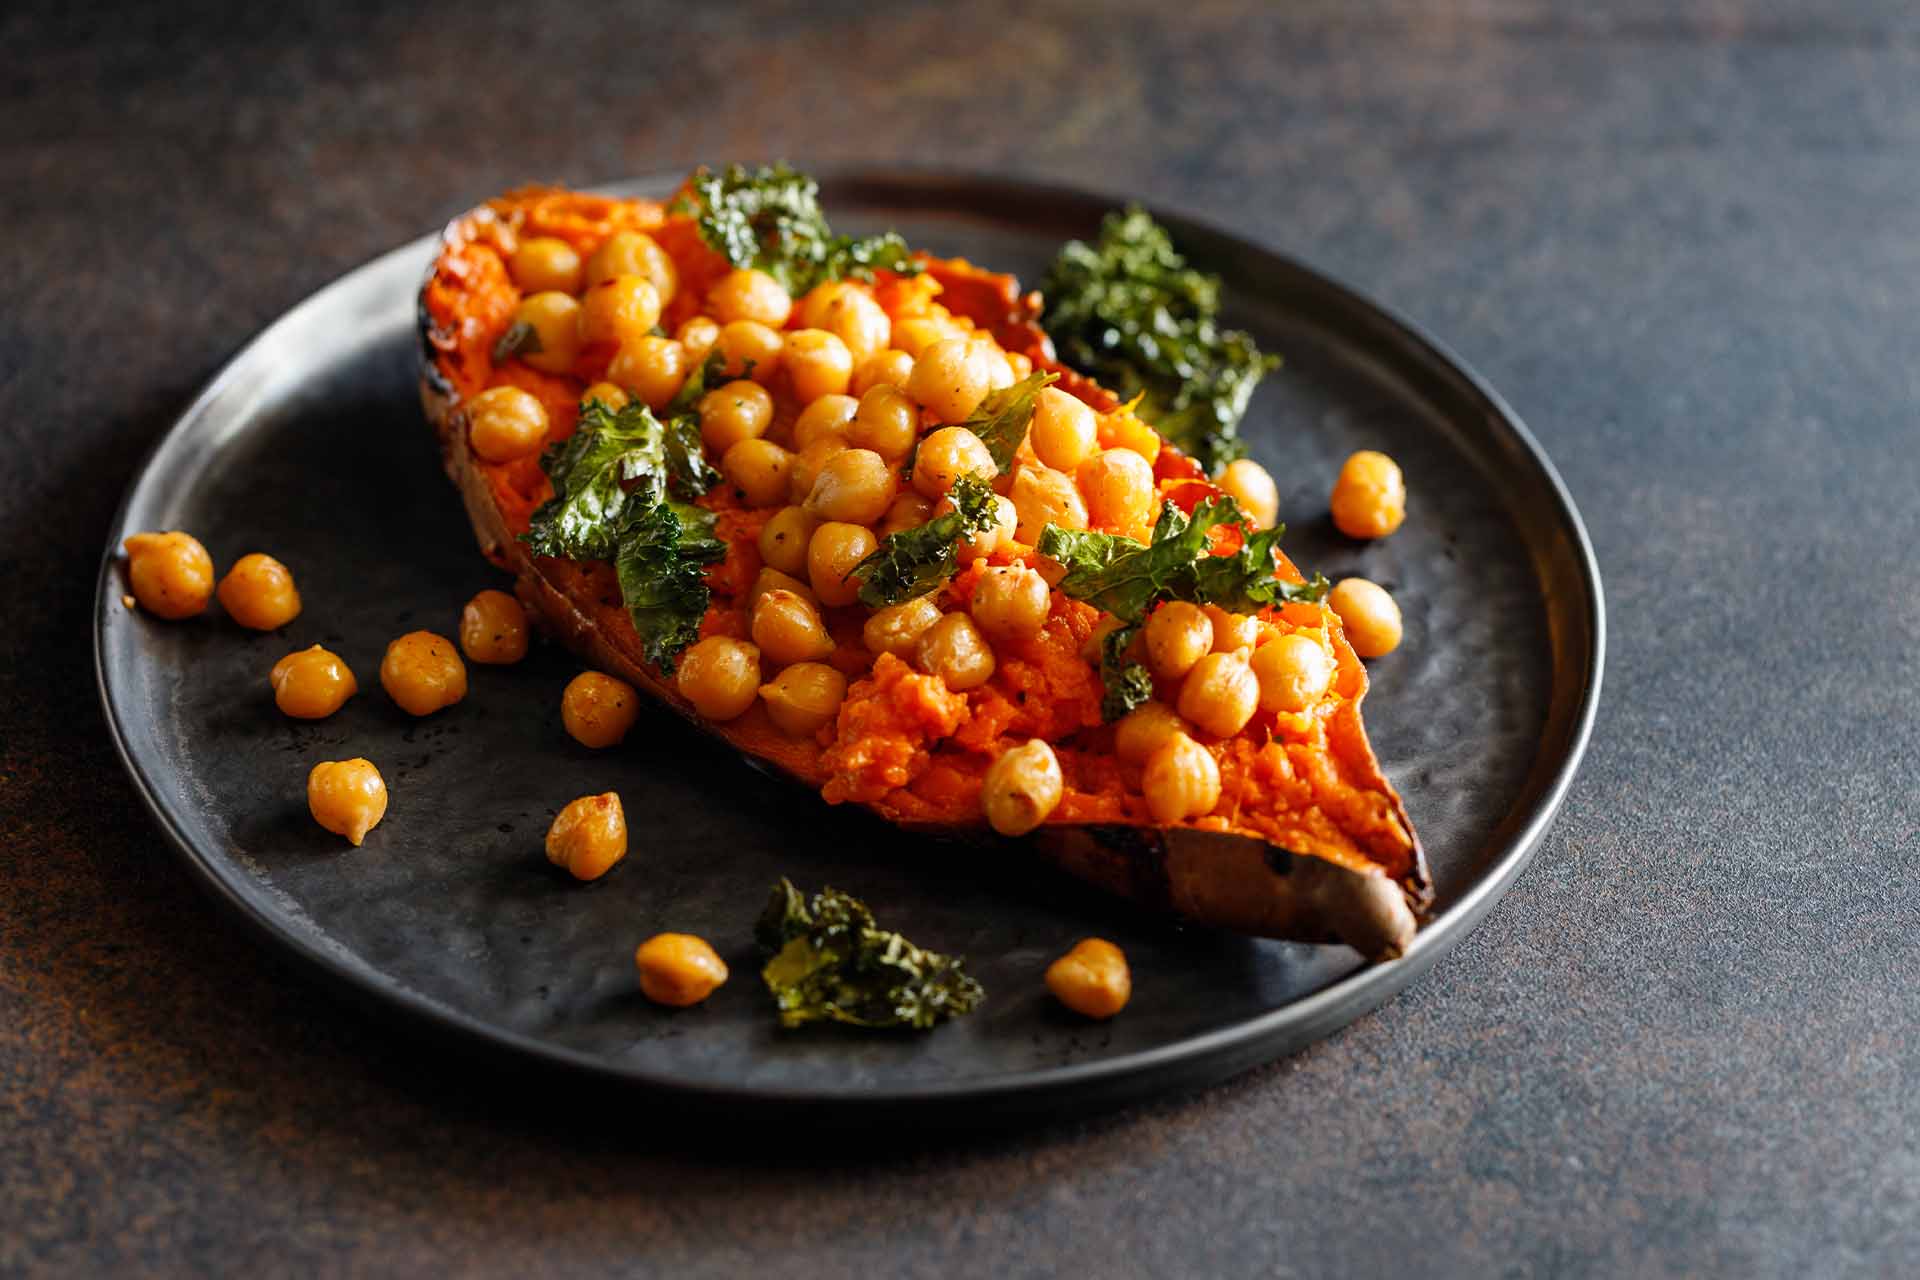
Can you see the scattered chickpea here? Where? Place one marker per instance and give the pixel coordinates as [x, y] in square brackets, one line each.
[1294, 672]
[1181, 780]
[1010, 602]
[817, 363]
[885, 421]
[954, 650]
[1092, 979]
[493, 629]
[949, 379]
[554, 318]
[1144, 730]
[1250, 484]
[946, 455]
[619, 311]
[634, 253]
[1065, 432]
[545, 263]
[258, 593]
[915, 334]
[807, 464]
[653, 368]
[1118, 487]
[788, 629]
[897, 628]
[347, 797]
[505, 423]
[748, 349]
[588, 836]
[312, 684]
[748, 294]
[1022, 788]
[597, 710]
[826, 416]
[908, 511]
[1369, 496]
[784, 537]
[838, 547]
[607, 394]
[171, 574]
[1368, 614]
[739, 410]
[1232, 632]
[760, 469]
[697, 335]
[720, 676]
[678, 969]
[891, 367]
[771, 579]
[804, 698]
[855, 486]
[847, 310]
[1220, 694]
[1042, 496]
[1177, 635]
[423, 673]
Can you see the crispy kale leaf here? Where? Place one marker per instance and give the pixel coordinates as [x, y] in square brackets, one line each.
[915, 561]
[829, 962]
[1127, 684]
[1002, 419]
[770, 218]
[661, 566]
[689, 474]
[1130, 311]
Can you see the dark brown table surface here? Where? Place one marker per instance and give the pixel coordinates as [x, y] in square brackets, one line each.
[1683, 236]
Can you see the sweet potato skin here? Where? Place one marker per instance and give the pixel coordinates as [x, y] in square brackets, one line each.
[1212, 877]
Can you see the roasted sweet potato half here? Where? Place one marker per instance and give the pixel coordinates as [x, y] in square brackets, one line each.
[1287, 828]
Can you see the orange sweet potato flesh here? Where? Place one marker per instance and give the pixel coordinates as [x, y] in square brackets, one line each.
[1309, 841]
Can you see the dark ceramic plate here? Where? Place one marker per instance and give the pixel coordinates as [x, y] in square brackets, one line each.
[311, 445]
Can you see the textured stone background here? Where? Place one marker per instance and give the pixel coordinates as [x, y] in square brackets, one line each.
[1679, 234]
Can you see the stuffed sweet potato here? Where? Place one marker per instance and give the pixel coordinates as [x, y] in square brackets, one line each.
[840, 504]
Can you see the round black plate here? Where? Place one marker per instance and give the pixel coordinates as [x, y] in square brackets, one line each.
[311, 445]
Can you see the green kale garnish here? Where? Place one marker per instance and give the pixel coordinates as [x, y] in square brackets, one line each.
[1127, 684]
[1129, 311]
[1002, 418]
[661, 565]
[770, 218]
[915, 561]
[829, 962]
[689, 474]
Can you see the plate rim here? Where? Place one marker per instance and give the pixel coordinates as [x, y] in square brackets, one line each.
[1207, 1056]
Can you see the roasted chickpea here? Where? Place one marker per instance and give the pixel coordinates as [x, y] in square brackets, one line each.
[945, 456]
[747, 294]
[422, 673]
[907, 511]
[807, 464]
[897, 628]
[171, 574]
[1042, 496]
[887, 422]
[771, 579]
[1000, 374]
[554, 318]
[312, 684]
[784, 538]
[759, 469]
[1368, 614]
[493, 629]
[1177, 636]
[1181, 780]
[978, 546]
[678, 969]
[545, 263]
[698, 335]
[954, 650]
[505, 423]
[1294, 672]
[915, 334]
[855, 486]
[1118, 487]
[588, 836]
[949, 379]
[1232, 632]
[804, 698]
[817, 363]
[258, 593]
[347, 797]
[607, 394]
[1065, 432]
[1220, 694]
[1092, 979]
[787, 627]
[837, 547]
[634, 253]
[891, 367]
[739, 410]
[1369, 496]
[826, 416]
[748, 350]
[1250, 484]
[1010, 602]
[720, 676]
[1022, 787]
[619, 311]
[1144, 730]
[848, 311]
[652, 368]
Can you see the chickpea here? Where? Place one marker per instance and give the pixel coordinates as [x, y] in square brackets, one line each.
[678, 969]
[855, 486]
[697, 335]
[1369, 496]
[748, 350]
[784, 538]
[347, 797]
[1177, 636]
[948, 454]
[999, 368]
[1022, 366]
[1250, 484]
[891, 367]
[949, 379]
[849, 312]
[954, 650]
[817, 363]
[1144, 730]
[1220, 694]
[897, 628]
[1119, 489]
[545, 263]
[720, 676]
[1041, 497]
[787, 627]
[1065, 432]
[1293, 671]
[759, 469]
[826, 416]
[915, 334]
[804, 698]
[807, 464]
[837, 547]
[588, 836]
[1010, 602]
[771, 579]
[619, 311]
[979, 546]
[555, 320]
[171, 574]
[1092, 979]
[634, 253]
[607, 394]
[652, 368]
[493, 629]
[1181, 780]
[908, 511]
[1232, 632]
[887, 422]
[748, 294]
[1368, 614]
[1022, 787]
[258, 593]
[739, 410]
[598, 711]
[505, 423]
[312, 684]
[423, 673]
